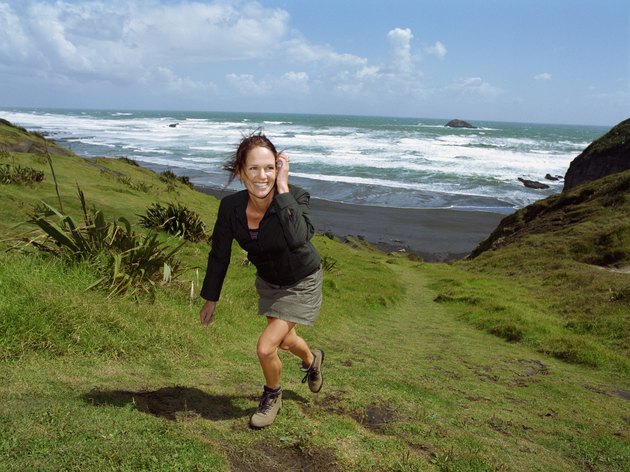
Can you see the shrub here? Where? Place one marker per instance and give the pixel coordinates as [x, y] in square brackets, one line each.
[167, 176]
[131, 162]
[185, 180]
[135, 185]
[170, 179]
[129, 263]
[175, 219]
[10, 174]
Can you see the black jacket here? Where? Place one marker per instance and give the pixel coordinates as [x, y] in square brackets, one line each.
[283, 253]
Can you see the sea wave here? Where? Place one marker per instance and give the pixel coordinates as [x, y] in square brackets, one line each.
[389, 161]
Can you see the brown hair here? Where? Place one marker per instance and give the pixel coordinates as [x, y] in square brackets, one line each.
[237, 162]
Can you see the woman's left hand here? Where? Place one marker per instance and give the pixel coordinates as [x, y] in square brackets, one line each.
[282, 173]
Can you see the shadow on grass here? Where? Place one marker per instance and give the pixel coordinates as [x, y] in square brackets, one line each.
[171, 402]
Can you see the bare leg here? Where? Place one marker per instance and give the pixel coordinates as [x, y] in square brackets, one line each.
[297, 346]
[267, 349]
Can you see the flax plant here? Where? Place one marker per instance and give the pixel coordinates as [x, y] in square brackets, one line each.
[130, 263]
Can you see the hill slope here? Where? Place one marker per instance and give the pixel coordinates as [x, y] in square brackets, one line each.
[591, 222]
[91, 382]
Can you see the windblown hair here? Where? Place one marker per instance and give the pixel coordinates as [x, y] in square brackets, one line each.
[236, 163]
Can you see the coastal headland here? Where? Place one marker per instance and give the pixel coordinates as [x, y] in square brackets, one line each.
[434, 234]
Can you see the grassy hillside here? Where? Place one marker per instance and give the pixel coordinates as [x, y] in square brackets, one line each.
[419, 375]
[567, 260]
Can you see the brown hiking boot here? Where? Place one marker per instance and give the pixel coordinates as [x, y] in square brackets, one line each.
[270, 403]
[314, 372]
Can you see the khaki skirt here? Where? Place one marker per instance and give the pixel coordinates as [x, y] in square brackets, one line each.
[299, 303]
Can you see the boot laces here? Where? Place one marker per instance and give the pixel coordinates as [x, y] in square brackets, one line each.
[311, 374]
[266, 402]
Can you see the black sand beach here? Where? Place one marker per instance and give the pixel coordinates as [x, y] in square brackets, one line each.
[435, 234]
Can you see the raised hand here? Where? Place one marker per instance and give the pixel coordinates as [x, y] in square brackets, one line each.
[282, 173]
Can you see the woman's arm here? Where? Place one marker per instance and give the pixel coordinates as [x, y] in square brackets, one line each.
[219, 255]
[292, 207]
[295, 217]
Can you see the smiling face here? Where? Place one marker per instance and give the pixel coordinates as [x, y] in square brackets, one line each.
[259, 172]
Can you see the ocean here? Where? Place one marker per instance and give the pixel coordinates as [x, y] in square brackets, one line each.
[381, 161]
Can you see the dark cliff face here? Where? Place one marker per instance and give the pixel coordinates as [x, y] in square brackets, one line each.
[606, 155]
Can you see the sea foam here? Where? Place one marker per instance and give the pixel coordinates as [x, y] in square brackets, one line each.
[381, 161]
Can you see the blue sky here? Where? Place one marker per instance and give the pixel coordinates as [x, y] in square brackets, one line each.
[544, 61]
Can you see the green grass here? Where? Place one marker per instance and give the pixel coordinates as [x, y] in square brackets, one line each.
[512, 361]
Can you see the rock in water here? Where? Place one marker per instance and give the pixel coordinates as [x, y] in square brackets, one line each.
[604, 156]
[553, 177]
[458, 124]
[533, 184]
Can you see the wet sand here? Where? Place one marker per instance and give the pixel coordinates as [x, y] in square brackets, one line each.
[434, 234]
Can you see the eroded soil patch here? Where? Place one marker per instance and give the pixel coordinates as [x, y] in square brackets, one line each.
[264, 457]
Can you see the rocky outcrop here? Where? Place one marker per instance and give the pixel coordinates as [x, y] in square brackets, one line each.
[607, 155]
[553, 178]
[458, 124]
[533, 184]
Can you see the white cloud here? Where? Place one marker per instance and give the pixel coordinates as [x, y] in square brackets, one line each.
[438, 50]
[400, 40]
[207, 32]
[368, 72]
[293, 85]
[247, 84]
[300, 50]
[14, 41]
[228, 48]
[296, 76]
[180, 84]
[543, 76]
[130, 40]
[476, 86]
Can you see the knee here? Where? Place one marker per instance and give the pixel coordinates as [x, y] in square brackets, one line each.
[290, 341]
[286, 346]
[265, 350]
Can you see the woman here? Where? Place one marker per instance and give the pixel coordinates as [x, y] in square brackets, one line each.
[272, 222]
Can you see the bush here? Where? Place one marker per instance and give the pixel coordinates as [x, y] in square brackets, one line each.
[175, 219]
[135, 185]
[170, 179]
[129, 263]
[131, 162]
[17, 174]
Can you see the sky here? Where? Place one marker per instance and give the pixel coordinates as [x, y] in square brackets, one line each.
[539, 61]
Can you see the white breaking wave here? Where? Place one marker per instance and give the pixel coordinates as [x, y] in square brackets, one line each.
[392, 157]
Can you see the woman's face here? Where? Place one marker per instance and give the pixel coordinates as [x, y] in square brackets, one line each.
[259, 173]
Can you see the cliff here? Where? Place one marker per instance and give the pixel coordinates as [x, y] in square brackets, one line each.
[605, 156]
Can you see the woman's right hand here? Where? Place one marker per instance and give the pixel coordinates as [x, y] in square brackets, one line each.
[206, 314]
